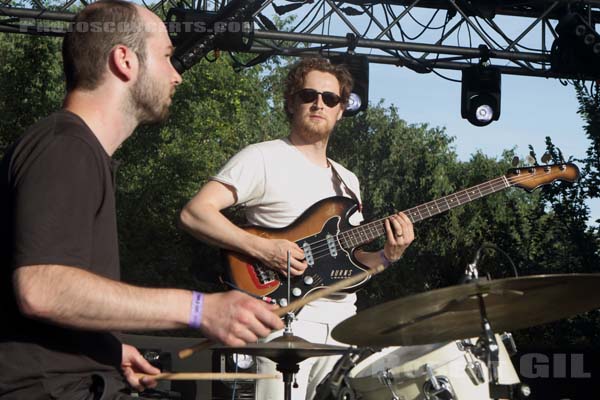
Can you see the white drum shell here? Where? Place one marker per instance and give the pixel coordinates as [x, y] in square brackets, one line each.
[406, 365]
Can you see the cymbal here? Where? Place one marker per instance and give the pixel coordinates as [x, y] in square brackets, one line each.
[287, 348]
[452, 313]
[206, 376]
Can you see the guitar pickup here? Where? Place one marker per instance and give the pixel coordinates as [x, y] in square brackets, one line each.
[331, 244]
[308, 254]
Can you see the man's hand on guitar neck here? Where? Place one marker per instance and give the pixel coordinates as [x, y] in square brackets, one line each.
[399, 235]
[273, 254]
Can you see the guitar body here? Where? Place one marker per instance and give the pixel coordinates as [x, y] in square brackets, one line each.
[317, 232]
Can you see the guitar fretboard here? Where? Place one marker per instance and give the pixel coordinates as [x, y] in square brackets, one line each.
[368, 232]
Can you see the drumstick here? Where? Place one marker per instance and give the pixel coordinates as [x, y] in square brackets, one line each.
[280, 312]
[206, 376]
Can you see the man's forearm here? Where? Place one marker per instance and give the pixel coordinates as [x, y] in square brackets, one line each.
[77, 298]
[212, 227]
[373, 259]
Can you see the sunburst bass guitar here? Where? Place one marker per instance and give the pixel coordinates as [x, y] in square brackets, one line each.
[329, 240]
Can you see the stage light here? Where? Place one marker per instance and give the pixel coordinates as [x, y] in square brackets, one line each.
[576, 50]
[359, 68]
[195, 33]
[229, 34]
[480, 94]
[354, 103]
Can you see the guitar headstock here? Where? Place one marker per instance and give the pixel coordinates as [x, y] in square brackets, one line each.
[530, 178]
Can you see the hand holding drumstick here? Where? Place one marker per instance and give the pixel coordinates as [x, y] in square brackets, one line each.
[280, 312]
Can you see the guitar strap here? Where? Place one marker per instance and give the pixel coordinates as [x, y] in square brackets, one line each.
[348, 188]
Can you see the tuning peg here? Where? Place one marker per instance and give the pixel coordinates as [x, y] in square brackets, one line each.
[531, 158]
[546, 158]
[515, 161]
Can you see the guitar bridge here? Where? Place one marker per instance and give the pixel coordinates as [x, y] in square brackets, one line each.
[264, 275]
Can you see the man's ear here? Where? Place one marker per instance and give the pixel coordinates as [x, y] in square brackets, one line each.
[123, 62]
[341, 112]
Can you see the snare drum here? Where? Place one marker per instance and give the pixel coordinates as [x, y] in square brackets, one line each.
[418, 372]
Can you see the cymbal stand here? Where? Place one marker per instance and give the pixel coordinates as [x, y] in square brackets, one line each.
[487, 347]
[490, 345]
[289, 317]
[489, 350]
[288, 368]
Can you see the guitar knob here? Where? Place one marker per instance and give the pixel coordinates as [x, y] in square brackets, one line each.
[297, 292]
[283, 302]
[308, 280]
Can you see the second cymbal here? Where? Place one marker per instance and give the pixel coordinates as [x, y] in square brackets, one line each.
[291, 349]
[453, 313]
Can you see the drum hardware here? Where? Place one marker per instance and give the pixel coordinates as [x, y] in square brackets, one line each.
[517, 391]
[497, 390]
[473, 368]
[475, 372]
[437, 387]
[346, 393]
[336, 385]
[387, 378]
[509, 343]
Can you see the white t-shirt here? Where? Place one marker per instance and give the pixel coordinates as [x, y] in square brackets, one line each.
[276, 183]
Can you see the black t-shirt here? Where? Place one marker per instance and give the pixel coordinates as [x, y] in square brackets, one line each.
[57, 206]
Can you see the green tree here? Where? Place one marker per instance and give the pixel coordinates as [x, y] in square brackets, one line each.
[31, 82]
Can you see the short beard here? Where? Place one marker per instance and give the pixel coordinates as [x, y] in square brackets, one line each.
[313, 132]
[145, 101]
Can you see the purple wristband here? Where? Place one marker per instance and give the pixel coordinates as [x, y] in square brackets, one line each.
[384, 260]
[196, 311]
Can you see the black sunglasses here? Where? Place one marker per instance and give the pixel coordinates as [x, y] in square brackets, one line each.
[310, 95]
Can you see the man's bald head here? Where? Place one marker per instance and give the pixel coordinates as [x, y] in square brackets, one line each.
[96, 30]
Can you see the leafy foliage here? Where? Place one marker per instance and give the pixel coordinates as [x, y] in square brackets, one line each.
[217, 111]
[31, 82]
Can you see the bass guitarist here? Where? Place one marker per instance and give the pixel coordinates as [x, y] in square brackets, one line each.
[276, 181]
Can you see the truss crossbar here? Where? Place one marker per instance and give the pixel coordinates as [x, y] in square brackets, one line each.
[423, 35]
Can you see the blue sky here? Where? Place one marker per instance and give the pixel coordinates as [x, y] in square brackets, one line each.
[532, 108]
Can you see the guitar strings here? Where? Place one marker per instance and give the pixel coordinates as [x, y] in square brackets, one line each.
[320, 248]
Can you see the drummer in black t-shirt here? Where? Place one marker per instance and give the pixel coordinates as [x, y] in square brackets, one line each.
[60, 291]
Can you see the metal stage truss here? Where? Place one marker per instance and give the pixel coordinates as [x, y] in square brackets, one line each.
[516, 36]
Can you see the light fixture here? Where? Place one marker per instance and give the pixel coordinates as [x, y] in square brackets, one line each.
[358, 66]
[480, 94]
[576, 50]
[195, 33]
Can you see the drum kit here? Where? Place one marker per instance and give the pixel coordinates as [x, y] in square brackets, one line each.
[435, 345]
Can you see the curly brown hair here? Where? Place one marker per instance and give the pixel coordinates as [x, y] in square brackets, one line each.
[295, 79]
[92, 36]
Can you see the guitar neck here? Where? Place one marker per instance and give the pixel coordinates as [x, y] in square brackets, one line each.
[366, 233]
